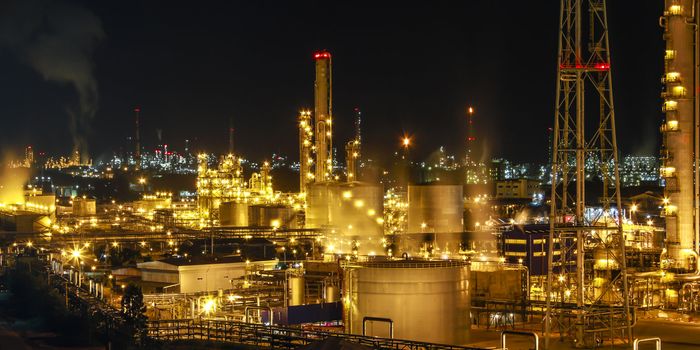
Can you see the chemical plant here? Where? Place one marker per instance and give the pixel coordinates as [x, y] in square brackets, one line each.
[414, 258]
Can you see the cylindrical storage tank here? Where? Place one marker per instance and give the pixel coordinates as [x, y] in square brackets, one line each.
[319, 200]
[233, 214]
[343, 205]
[272, 215]
[332, 293]
[435, 208]
[297, 290]
[422, 300]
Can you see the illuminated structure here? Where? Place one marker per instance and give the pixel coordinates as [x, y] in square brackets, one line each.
[352, 149]
[680, 149]
[137, 139]
[323, 99]
[599, 292]
[476, 172]
[29, 157]
[305, 144]
[226, 183]
[215, 186]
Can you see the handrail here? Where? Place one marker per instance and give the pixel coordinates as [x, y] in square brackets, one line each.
[529, 334]
[378, 319]
[655, 340]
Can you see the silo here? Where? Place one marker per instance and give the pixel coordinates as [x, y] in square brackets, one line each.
[421, 300]
[233, 214]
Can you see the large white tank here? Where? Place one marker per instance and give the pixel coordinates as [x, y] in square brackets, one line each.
[425, 300]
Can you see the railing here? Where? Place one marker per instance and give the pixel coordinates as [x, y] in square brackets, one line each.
[272, 337]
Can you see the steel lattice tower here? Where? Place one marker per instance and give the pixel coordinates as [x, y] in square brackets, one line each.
[587, 297]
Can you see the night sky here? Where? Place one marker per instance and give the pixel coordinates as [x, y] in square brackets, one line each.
[411, 68]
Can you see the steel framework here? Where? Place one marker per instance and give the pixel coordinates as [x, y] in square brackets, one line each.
[587, 299]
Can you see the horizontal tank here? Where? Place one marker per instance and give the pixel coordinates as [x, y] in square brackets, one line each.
[424, 300]
[233, 214]
[353, 206]
[272, 215]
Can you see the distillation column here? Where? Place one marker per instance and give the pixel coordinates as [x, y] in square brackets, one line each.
[306, 135]
[678, 132]
[352, 149]
[323, 99]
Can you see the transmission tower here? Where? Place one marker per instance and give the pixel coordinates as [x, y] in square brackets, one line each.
[587, 299]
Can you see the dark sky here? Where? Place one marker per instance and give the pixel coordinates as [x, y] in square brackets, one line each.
[411, 68]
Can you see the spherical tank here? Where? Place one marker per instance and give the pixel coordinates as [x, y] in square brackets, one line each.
[435, 208]
[233, 214]
[423, 300]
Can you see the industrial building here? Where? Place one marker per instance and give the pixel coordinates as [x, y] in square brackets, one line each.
[517, 189]
[200, 274]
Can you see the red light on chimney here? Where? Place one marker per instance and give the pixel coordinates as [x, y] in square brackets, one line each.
[322, 54]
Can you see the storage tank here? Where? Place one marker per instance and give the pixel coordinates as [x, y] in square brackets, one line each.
[332, 293]
[423, 300]
[355, 204]
[297, 288]
[233, 214]
[435, 208]
[272, 215]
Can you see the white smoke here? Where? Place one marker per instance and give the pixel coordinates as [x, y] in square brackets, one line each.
[57, 39]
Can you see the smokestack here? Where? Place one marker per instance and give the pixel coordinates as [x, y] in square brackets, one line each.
[471, 137]
[323, 98]
[137, 153]
[230, 136]
[358, 121]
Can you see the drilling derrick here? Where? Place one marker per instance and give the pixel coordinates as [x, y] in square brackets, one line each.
[323, 98]
[679, 144]
[306, 135]
[587, 298]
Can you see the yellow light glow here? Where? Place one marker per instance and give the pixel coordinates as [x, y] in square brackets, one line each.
[208, 306]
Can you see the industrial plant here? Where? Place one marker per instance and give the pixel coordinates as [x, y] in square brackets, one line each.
[448, 253]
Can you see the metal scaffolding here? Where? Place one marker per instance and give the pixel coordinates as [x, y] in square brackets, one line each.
[587, 299]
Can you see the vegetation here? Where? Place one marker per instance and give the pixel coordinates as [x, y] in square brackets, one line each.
[134, 311]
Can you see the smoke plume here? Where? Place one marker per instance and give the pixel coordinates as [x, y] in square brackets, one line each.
[57, 39]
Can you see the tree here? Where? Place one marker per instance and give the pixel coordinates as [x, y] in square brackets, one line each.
[134, 311]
